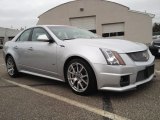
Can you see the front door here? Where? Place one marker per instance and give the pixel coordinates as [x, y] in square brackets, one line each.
[41, 55]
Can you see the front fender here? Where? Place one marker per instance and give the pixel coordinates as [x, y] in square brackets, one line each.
[92, 55]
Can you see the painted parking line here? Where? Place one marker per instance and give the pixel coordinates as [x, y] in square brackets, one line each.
[2, 65]
[70, 102]
[157, 72]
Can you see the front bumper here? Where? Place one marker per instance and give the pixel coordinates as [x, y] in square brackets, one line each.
[109, 77]
[121, 89]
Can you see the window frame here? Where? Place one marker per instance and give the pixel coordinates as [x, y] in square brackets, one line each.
[48, 35]
[18, 39]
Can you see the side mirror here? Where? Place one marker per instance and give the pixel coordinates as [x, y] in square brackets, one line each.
[44, 38]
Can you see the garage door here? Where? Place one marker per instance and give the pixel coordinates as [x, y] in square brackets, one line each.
[88, 23]
[115, 30]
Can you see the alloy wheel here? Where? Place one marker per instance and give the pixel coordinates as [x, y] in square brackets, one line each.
[78, 77]
[10, 66]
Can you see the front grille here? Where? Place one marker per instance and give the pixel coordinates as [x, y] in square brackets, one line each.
[139, 56]
[144, 74]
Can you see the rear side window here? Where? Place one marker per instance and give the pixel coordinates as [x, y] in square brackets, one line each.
[25, 36]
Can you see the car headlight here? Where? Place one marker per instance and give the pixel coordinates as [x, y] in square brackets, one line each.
[112, 57]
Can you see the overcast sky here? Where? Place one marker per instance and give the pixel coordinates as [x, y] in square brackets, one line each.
[21, 13]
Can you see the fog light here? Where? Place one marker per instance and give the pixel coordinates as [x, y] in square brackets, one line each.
[125, 81]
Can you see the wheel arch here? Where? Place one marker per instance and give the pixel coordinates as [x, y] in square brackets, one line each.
[7, 55]
[78, 57]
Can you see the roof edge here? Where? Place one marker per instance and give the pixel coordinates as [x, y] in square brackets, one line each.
[57, 6]
[79, 0]
[144, 13]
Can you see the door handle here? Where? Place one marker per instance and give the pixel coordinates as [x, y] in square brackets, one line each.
[31, 49]
[15, 47]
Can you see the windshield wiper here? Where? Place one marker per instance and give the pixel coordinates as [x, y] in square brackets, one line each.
[69, 38]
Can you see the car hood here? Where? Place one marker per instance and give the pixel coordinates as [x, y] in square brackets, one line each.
[120, 46]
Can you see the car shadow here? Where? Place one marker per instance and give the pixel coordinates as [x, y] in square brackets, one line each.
[36, 81]
[40, 81]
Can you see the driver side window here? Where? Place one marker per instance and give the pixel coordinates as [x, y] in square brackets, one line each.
[37, 32]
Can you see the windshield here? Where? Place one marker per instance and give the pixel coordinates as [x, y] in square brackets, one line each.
[69, 33]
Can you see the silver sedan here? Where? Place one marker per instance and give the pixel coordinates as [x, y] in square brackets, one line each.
[79, 57]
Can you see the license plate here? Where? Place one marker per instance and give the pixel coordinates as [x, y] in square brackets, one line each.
[158, 50]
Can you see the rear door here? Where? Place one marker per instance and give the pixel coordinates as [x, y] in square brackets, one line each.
[20, 48]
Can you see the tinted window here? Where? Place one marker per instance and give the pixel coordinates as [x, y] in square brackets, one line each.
[37, 32]
[25, 35]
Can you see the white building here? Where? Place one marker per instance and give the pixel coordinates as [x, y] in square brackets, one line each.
[108, 19]
[7, 34]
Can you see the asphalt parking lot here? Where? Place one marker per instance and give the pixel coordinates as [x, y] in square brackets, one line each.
[29, 97]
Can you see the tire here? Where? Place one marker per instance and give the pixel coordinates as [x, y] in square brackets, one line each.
[11, 67]
[80, 77]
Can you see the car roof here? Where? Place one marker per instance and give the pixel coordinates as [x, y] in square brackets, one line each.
[53, 25]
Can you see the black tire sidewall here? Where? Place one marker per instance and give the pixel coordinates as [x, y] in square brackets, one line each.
[15, 68]
[92, 79]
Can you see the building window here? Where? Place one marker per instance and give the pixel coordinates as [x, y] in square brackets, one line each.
[105, 35]
[113, 34]
[93, 31]
[120, 33]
